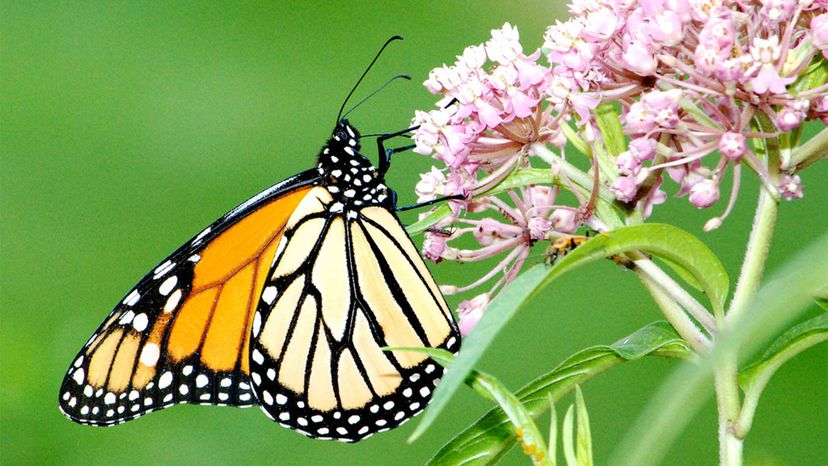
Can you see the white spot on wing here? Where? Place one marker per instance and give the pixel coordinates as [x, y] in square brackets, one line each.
[163, 269]
[132, 298]
[172, 301]
[78, 376]
[257, 323]
[149, 355]
[165, 380]
[140, 322]
[268, 295]
[168, 285]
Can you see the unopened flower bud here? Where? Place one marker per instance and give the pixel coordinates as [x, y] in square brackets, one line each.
[704, 194]
[819, 33]
[564, 220]
[627, 163]
[624, 188]
[470, 312]
[643, 148]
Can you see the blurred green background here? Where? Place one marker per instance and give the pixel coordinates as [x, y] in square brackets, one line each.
[128, 126]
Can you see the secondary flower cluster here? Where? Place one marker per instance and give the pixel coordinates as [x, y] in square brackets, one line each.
[700, 86]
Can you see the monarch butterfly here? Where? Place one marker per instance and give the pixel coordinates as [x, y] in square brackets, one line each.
[284, 302]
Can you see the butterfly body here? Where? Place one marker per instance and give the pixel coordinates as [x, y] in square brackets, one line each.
[285, 302]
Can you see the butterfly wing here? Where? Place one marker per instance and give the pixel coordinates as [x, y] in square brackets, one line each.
[182, 334]
[342, 286]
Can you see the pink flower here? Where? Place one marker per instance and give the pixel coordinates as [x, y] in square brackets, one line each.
[732, 145]
[538, 228]
[768, 80]
[643, 148]
[655, 197]
[791, 187]
[819, 33]
[628, 164]
[430, 185]
[470, 312]
[490, 230]
[600, 24]
[504, 46]
[765, 52]
[821, 109]
[639, 119]
[564, 220]
[705, 193]
[666, 28]
[624, 188]
[640, 59]
[777, 11]
[434, 246]
[788, 119]
[665, 105]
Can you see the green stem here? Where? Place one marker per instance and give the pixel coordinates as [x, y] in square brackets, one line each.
[727, 386]
[808, 153]
[756, 254]
[574, 173]
[675, 314]
[676, 292]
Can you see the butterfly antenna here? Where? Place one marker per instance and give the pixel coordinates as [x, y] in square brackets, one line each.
[399, 76]
[392, 39]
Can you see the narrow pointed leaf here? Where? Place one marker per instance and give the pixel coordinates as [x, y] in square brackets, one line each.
[567, 435]
[791, 343]
[491, 436]
[611, 130]
[583, 443]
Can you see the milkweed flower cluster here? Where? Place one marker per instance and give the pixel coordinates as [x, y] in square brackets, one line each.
[699, 87]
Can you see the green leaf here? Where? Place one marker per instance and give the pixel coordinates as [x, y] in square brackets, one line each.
[584, 437]
[698, 114]
[685, 274]
[576, 141]
[491, 436]
[610, 124]
[552, 445]
[785, 295]
[522, 424]
[500, 311]
[821, 298]
[438, 213]
[657, 239]
[661, 240]
[566, 436]
[791, 343]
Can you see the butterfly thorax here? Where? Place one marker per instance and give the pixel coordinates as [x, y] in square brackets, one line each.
[350, 177]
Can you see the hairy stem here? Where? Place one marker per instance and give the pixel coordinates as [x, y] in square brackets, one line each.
[675, 314]
[676, 292]
[808, 153]
[726, 375]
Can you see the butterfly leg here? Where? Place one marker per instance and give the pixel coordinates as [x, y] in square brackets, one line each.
[385, 154]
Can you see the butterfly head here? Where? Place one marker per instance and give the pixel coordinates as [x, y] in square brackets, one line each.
[348, 175]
